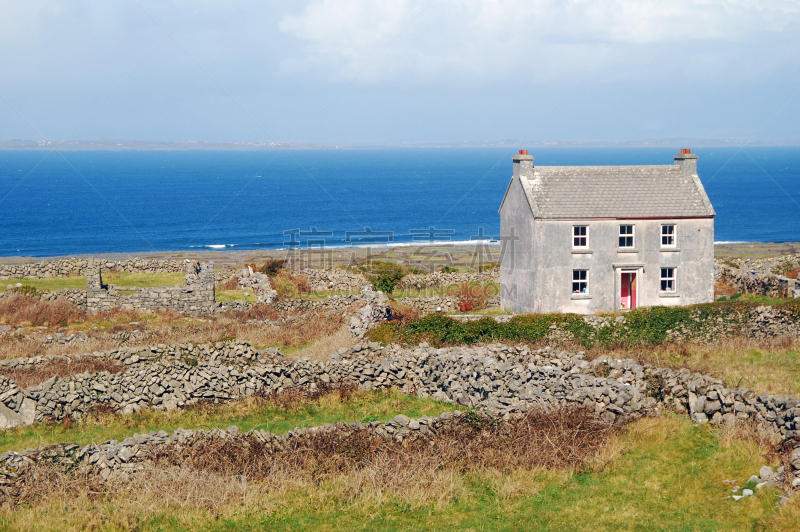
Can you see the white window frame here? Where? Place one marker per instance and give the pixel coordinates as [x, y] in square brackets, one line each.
[584, 236]
[673, 235]
[580, 277]
[632, 235]
[668, 284]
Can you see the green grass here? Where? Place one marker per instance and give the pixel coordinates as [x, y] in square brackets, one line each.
[225, 296]
[142, 280]
[55, 283]
[664, 474]
[670, 478]
[754, 298]
[360, 406]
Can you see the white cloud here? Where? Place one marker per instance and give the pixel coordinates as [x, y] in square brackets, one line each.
[528, 39]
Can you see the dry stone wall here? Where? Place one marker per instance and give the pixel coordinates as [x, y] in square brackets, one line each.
[335, 280]
[441, 279]
[196, 298]
[752, 282]
[498, 380]
[69, 267]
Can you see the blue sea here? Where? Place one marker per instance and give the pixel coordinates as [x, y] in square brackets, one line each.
[61, 203]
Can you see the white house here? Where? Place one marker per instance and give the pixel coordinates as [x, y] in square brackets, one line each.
[588, 238]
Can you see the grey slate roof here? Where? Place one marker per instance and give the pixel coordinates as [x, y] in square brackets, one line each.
[654, 191]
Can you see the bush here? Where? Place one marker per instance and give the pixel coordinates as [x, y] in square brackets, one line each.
[475, 294]
[641, 327]
[384, 276]
[290, 286]
[22, 309]
[272, 267]
[449, 269]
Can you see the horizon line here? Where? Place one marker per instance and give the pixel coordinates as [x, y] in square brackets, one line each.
[198, 145]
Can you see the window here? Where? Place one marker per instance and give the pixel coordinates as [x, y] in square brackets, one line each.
[579, 284]
[626, 236]
[667, 236]
[668, 279]
[579, 236]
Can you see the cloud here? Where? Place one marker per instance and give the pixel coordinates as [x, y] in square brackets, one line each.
[418, 40]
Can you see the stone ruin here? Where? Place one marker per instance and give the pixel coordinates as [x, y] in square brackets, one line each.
[195, 297]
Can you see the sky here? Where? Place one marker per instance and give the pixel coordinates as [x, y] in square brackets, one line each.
[399, 71]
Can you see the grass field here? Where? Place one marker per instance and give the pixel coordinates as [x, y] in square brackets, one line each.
[656, 474]
[142, 280]
[247, 414]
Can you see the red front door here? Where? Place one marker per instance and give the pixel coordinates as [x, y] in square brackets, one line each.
[628, 295]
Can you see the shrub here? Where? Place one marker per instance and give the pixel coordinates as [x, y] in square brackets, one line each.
[290, 286]
[641, 327]
[22, 309]
[272, 267]
[26, 289]
[475, 294]
[384, 276]
[404, 314]
[449, 269]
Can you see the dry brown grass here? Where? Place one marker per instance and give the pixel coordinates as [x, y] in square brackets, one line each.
[771, 364]
[474, 294]
[17, 347]
[348, 466]
[25, 310]
[724, 289]
[230, 284]
[39, 373]
[290, 286]
[320, 350]
[403, 314]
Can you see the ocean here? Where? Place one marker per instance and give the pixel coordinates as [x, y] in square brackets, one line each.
[83, 202]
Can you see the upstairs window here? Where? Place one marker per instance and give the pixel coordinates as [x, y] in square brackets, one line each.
[668, 236]
[580, 237]
[626, 236]
[579, 282]
[668, 279]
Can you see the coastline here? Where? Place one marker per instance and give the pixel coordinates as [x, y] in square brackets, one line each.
[459, 250]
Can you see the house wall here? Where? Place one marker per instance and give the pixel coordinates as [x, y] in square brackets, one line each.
[550, 268]
[518, 267]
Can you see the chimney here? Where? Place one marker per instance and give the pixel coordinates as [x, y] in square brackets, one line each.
[523, 164]
[687, 161]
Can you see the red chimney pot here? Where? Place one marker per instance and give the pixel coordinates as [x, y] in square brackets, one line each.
[523, 152]
[685, 150]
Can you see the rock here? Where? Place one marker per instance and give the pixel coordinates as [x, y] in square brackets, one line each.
[699, 418]
[747, 492]
[402, 419]
[753, 479]
[766, 473]
[796, 483]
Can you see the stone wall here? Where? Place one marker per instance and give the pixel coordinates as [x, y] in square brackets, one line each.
[335, 280]
[196, 298]
[440, 279]
[438, 305]
[67, 267]
[430, 305]
[498, 380]
[258, 283]
[752, 282]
